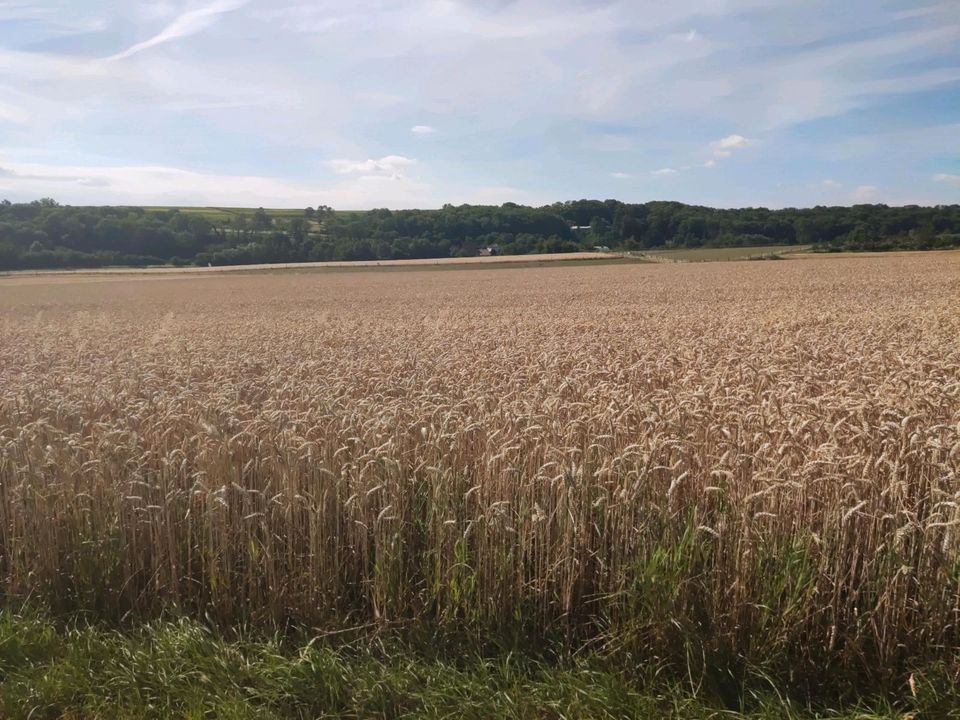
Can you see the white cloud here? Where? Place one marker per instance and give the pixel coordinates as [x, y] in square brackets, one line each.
[13, 114]
[189, 23]
[388, 166]
[947, 178]
[710, 163]
[831, 183]
[732, 141]
[724, 147]
[864, 193]
[423, 130]
[688, 36]
[621, 175]
[164, 185]
[663, 171]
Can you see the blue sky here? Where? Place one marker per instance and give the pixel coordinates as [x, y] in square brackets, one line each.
[414, 103]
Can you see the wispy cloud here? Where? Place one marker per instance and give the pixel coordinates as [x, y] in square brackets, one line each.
[947, 178]
[621, 175]
[831, 183]
[663, 171]
[825, 77]
[423, 130]
[189, 23]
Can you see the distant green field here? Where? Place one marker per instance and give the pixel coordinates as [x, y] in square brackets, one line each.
[725, 253]
[225, 213]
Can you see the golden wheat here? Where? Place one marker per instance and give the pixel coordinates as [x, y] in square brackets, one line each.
[746, 461]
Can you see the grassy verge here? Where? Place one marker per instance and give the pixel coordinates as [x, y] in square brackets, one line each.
[494, 264]
[178, 668]
[718, 254]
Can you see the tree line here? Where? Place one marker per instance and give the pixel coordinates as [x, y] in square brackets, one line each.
[45, 234]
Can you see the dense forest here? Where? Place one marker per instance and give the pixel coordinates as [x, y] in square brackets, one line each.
[45, 234]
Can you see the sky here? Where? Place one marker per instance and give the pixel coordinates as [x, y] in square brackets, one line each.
[416, 103]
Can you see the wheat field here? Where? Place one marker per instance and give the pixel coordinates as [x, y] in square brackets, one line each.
[731, 464]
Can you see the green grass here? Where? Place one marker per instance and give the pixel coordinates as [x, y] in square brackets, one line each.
[722, 253]
[182, 669]
[225, 213]
[347, 266]
[445, 266]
